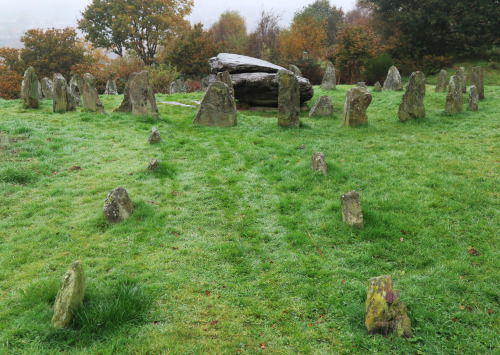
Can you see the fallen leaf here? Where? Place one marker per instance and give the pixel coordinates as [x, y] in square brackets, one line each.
[207, 292]
[174, 193]
[490, 311]
[472, 251]
[75, 167]
[401, 239]
[462, 307]
[262, 346]
[454, 319]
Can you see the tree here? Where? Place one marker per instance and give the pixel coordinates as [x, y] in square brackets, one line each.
[231, 31]
[306, 34]
[263, 42]
[139, 25]
[10, 58]
[329, 16]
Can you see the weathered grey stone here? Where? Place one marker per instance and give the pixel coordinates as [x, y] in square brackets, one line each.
[322, 107]
[357, 101]
[318, 163]
[76, 88]
[288, 99]
[62, 100]
[40, 92]
[111, 88]
[441, 81]
[361, 84]
[351, 210]
[225, 77]
[117, 205]
[154, 136]
[473, 98]
[47, 88]
[454, 98]
[217, 107]
[294, 69]
[153, 164]
[70, 295]
[377, 87]
[463, 76]
[91, 99]
[384, 312]
[178, 87]
[477, 79]
[393, 81]
[412, 103]
[235, 63]
[142, 96]
[126, 105]
[29, 90]
[330, 78]
[206, 81]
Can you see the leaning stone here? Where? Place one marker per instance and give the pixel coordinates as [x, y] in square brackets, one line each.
[91, 99]
[111, 88]
[142, 96]
[412, 104]
[477, 79]
[70, 295]
[351, 210]
[217, 108]
[377, 87]
[29, 91]
[288, 99]
[357, 101]
[225, 77]
[463, 76]
[454, 98]
[126, 105]
[361, 84]
[76, 88]
[318, 163]
[384, 312]
[322, 107]
[178, 87]
[441, 81]
[294, 69]
[153, 164]
[473, 98]
[62, 100]
[154, 136]
[117, 205]
[47, 88]
[329, 79]
[393, 81]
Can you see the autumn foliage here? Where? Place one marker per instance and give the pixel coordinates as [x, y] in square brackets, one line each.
[10, 83]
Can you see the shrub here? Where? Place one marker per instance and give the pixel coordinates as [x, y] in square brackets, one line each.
[10, 83]
[310, 69]
[161, 76]
[432, 64]
[193, 85]
[376, 68]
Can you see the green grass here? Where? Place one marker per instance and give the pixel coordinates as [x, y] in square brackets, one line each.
[216, 257]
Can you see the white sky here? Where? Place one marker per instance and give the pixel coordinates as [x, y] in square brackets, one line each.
[18, 16]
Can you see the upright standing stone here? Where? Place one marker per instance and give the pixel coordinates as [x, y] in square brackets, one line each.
[322, 107]
[217, 107]
[29, 91]
[126, 105]
[393, 81]
[463, 76]
[412, 104]
[357, 101]
[377, 87]
[384, 312]
[154, 136]
[178, 87]
[142, 96]
[454, 98]
[329, 79]
[91, 99]
[361, 84]
[318, 163]
[40, 92]
[153, 164]
[351, 210]
[473, 98]
[76, 88]
[477, 79]
[294, 69]
[47, 88]
[225, 77]
[62, 100]
[111, 88]
[117, 205]
[288, 99]
[441, 81]
[70, 295]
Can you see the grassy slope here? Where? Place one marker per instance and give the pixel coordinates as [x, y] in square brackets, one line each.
[218, 240]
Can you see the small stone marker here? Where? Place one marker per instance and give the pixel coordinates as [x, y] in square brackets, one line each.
[294, 69]
[153, 164]
[393, 81]
[384, 311]
[154, 136]
[126, 105]
[70, 295]
[322, 107]
[62, 100]
[29, 90]
[76, 88]
[178, 87]
[412, 103]
[454, 98]
[225, 77]
[217, 107]
[142, 96]
[318, 163]
[91, 99]
[117, 205]
[377, 87]
[477, 79]
[329, 79]
[351, 210]
[361, 84]
[473, 98]
[288, 99]
[357, 101]
[47, 88]
[463, 76]
[111, 88]
[441, 81]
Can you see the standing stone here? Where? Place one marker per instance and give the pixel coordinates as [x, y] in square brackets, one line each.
[361, 84]
[154, 136]
[153, 164]
[357, 101]
[393, 81]
[225, 77]
[329, 79]
[351, 210]
[294, 69]
[322, 107]
[377, 87]
[142, 96]
[477, 79]
[384, 312]
[126, 105]
[91, 99]
[441, 81]
[117, 205]
[76, 88]
[62, 100]
[29, 90]
[206, 81]
[217, 108]
[288, 99]
[473, 98]
[70, 295]
[462, 75]
[412, 104]
[111, 88]
[178, 87]
[318, 163]
[454, 98]
[47, 88]
[40, 92]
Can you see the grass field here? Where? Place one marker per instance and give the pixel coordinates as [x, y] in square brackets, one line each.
[216, 257]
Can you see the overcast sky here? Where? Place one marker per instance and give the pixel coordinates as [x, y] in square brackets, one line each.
[21, 15]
